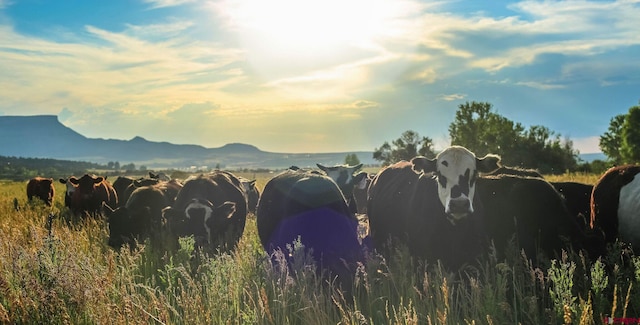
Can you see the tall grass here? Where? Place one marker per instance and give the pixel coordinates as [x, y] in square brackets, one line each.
[66, 273]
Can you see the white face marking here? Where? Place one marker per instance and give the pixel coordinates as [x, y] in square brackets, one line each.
[629, 212]
[207, 214]
[335, 174]
[456, 165]
[70, 188]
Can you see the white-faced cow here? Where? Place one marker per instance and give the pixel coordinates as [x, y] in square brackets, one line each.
[251, 191]
[41, 188]
[309, 207]
[68, 193]
[140, 218]
[615, 205]
[212, 208]
[435, 212]
[360, 193]
[344, 176]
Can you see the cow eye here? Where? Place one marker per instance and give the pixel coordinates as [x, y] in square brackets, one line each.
[445, 163]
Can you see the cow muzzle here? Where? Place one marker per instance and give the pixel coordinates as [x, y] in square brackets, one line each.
[458, 209]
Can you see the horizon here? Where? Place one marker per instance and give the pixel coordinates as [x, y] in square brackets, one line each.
[277, 76]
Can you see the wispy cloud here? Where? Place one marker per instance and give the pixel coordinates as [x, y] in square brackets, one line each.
[167, 3]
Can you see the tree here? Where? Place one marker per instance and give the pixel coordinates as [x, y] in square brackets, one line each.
[611, 141]
[409, 145]
[483, 131]
[630, 147]
[351, 159]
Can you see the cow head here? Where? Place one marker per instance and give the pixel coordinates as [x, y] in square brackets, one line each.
[456, 171]
[201, 217]
[69, 187]
[341, 174]
[85, 184]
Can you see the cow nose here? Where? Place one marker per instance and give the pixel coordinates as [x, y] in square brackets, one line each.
[459, 206]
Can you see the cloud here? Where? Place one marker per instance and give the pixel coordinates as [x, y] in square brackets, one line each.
[587, 144]
[155, 4]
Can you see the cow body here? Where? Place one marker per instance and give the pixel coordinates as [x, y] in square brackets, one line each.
[533, 211]
[139, 219]
[309, 207]
[615, 205]
[435, 212]
[42, 188]
[212, 209]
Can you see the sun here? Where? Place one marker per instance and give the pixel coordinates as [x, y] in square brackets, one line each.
[284, 38]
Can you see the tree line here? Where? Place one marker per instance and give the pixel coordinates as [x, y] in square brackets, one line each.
[480, 129]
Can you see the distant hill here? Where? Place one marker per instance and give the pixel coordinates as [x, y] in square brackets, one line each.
[43, 136]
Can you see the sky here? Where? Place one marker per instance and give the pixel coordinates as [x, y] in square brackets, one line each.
[317, 75]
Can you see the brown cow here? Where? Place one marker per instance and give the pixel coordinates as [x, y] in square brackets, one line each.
[90, 192]
[41, 188]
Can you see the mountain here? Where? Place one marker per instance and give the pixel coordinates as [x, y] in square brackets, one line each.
[43, 136]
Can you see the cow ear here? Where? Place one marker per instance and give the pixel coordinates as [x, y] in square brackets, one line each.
[322, 167]
[98, 179]
[424, 164]
[357, 167]
[488, 163]
[225, 210]
[62, 180]
[73, 180]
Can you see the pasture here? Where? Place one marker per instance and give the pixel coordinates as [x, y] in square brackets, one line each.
[57, 270]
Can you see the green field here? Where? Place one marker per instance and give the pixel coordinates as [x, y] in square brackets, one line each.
[66, 273]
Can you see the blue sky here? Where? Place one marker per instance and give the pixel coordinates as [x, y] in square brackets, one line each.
[317, 75]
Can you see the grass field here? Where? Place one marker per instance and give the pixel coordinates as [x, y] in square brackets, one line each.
[56, 271]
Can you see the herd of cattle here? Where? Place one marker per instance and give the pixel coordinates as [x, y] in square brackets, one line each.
[451, 208]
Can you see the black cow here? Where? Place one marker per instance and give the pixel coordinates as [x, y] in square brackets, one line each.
[436, 212]
[615, 205]
[309, 206]
[211, 208]
[360, 193]
[534, 211]
[344, 176]
[139, 219]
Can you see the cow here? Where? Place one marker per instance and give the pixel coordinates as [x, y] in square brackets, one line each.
[120, 186]
[140, 218]
[360, 193]
[344, 176]
[212, 209]
[309, 207]
[89, 193]
[615, 205]
[252, 193]
[160, 176]
[431, 206]
[133, 186]
[69, 190]
[577, 197]
[531, 211]
[42, 188]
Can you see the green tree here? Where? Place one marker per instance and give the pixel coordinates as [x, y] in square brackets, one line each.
[409, 145]
[478, 128]
[630, 146]
[351, 159]
[482, 131]
[611, 141]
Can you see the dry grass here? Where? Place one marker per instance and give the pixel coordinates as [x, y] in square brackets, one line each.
[67, 274]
